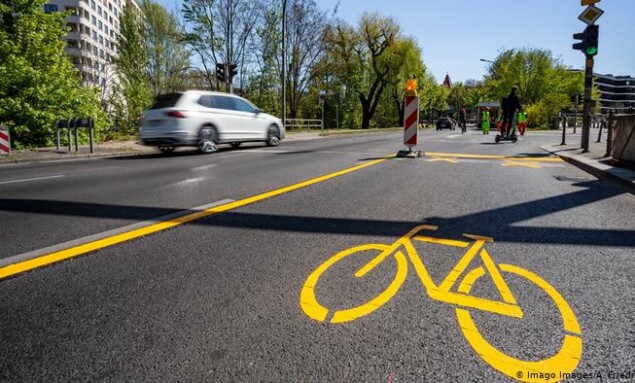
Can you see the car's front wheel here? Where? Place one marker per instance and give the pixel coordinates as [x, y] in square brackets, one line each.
[166, 149]
[273, 136]
[208, 139]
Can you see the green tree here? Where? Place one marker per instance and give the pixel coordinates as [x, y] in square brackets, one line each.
[132, 68]
[432, 97]
[38, 83]
[264, 81]
[168, 58]
[544, 83]
[405, 60]
[362, 59]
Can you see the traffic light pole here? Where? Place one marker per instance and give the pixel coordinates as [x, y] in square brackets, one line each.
[586, 113]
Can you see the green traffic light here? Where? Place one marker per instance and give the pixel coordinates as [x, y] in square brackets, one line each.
[591, 50]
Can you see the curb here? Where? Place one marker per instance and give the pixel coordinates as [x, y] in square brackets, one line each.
[625, 177]
[16, 161]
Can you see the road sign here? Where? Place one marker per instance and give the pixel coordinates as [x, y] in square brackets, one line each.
[411, 121]
[5, 141]
[590, 14]
[588, 2]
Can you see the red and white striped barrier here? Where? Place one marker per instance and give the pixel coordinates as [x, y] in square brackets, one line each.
[411, 121]
[5, 142]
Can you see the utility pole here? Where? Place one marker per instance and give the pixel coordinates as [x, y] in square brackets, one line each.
[284, 62]
[586, 109]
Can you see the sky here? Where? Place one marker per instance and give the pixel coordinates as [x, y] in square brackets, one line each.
[455, 34]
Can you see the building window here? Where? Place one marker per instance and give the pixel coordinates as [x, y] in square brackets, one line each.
[92, 4]
[101, 26]
[48, 8]
[99, 10]
[94, 20]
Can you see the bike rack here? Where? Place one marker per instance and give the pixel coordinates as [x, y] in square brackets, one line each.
[75, 123]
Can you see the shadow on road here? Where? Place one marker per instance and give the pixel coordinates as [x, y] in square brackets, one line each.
[499, 223]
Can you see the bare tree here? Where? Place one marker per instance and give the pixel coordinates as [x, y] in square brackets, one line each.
[218, 32]
[307, 27]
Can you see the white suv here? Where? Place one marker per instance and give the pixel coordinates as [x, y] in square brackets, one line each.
[206, 119]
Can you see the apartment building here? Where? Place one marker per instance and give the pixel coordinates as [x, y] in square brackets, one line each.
[92, 41]
[617, 93]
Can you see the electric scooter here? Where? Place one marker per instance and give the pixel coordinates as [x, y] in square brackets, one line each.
[501, 136]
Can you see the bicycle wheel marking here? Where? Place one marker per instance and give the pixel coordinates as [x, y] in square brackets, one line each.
[316, 311]
[563, 362]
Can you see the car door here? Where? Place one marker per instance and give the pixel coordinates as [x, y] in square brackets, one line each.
[226, 118]
[254, 122]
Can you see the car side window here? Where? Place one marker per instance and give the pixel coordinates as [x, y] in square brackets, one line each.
[221, 102]
[206, 101]
[242, 106]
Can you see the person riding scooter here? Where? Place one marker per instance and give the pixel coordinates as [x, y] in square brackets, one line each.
[510, 105]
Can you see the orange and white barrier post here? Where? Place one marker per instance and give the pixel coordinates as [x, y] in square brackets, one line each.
[5, 141]
[411, 114]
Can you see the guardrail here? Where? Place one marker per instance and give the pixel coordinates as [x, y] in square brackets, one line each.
[303, 123]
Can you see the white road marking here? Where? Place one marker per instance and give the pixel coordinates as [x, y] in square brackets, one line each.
[205, 167]
[31, 179]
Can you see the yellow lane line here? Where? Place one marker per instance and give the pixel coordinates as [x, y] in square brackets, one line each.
[57, 256]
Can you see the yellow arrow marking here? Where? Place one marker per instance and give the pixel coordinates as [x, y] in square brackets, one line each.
[438, 159]
[532, 165]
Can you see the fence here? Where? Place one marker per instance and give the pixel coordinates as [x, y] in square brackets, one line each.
[303, 123]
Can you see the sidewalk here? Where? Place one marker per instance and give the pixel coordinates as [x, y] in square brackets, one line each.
[594, 161]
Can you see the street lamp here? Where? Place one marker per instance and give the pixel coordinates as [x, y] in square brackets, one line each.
[488, 61]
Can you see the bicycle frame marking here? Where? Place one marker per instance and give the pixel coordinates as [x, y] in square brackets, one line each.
[565, 359]
[442, 293]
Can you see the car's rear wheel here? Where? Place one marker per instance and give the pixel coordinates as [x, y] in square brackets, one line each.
[273, 136]
[208, 139]
[166, 149]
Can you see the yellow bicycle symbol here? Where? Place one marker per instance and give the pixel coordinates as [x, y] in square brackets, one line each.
[563, 362]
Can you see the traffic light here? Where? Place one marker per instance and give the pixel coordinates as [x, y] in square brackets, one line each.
[588, 40]
[593, 32]
[220, 72]
[581, 46]
[232, 71]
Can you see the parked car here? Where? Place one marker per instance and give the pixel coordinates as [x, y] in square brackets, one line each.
[446, 123]
[207, 119]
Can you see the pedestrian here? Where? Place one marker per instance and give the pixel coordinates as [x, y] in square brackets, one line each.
[522, 122]
[485, 120]
[510, 105]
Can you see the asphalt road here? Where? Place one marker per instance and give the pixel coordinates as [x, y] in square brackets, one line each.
[219, 298]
